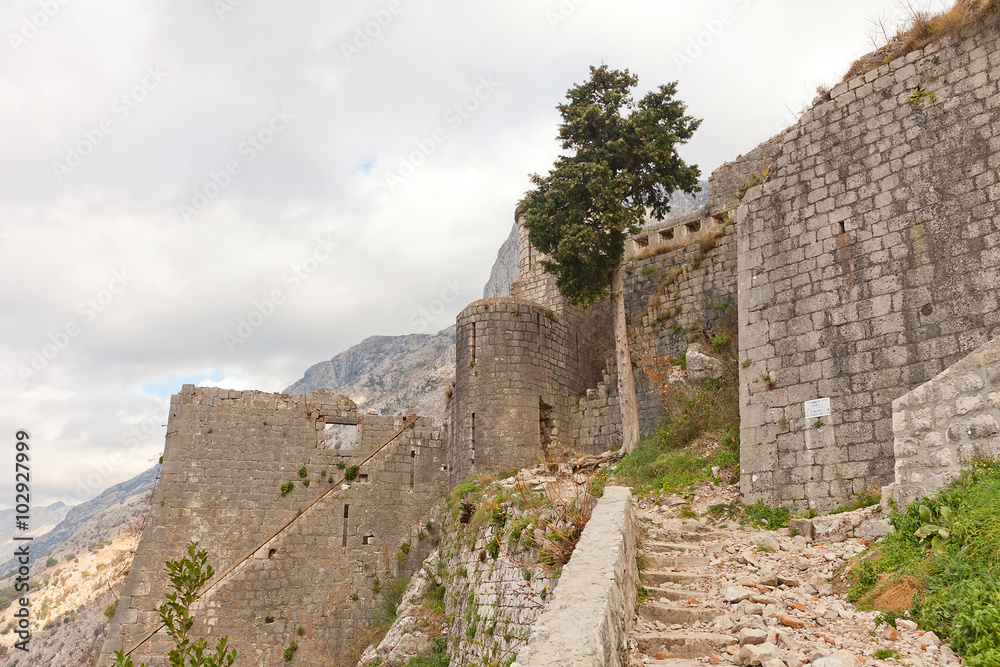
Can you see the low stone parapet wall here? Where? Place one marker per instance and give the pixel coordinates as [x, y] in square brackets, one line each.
[587, 621]
[947, 422]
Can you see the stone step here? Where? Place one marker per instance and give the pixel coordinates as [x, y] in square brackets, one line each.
[682, 644]
[659, 577]
[669, 547]
[665, 562]
[671, 614]
[678, 536]
[675, 594]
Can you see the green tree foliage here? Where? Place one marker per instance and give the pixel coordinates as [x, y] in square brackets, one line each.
[187, 576]
[622, 161]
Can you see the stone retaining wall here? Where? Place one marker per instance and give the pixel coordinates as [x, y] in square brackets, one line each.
[588, 619]
[868, 263]
[946, 422]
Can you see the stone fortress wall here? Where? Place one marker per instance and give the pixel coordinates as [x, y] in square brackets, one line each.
[868, 263]
[865, 265]
[227, 455]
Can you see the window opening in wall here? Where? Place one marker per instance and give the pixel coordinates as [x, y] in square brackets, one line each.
[473, 344]
[368, 539]
[843, 229]
[472, 439]
[347, 511]
[694, 226]
[413, 463]
[269, 619]
[362, 479]
[341, 436]
[546, 426]
[667, 235]
[642, 241]
[271, 552]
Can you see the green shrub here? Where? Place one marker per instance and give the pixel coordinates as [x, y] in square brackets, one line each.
[351, 473]
[187, 576]
[957, 575]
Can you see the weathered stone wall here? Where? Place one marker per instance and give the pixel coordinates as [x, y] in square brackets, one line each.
[517, 367]
[725, 181]
[675, 293]
[588, 619]
[492, 603]
[868, 263]
[226, 457]
[947, 422]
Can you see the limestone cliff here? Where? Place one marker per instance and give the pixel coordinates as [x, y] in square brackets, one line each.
[390, 374]
[505, 269]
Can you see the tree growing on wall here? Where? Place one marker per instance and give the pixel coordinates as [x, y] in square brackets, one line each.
[620, 163]
[187, 576]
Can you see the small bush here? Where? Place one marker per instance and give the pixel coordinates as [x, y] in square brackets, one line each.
[351, 473]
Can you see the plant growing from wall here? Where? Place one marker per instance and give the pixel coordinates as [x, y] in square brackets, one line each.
[187, 576]
[922, 94]
[351, 473]
[619, 167]
[287, 488]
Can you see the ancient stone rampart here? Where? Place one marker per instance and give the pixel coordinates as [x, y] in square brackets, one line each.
[868, 263]
[947, 422]
[227, 456]
[675, 293]
[517, 369]
[725, 181]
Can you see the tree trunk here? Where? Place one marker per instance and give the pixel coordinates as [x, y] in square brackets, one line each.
[627, 404]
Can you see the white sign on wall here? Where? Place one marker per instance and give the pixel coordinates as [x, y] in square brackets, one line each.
[819, 407]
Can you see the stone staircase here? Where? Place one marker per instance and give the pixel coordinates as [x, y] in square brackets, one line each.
[672, 629]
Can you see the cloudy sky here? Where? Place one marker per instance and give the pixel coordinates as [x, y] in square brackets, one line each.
[228, 191]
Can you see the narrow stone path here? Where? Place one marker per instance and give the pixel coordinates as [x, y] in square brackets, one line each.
[723, 596]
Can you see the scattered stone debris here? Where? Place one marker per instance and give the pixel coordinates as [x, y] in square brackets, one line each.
[724, 596]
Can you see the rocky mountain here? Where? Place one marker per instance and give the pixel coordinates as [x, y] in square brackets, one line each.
[390, 374]
[77, 571]
[682, 204]
[116, 499]
[43, 520]
[505, 269]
